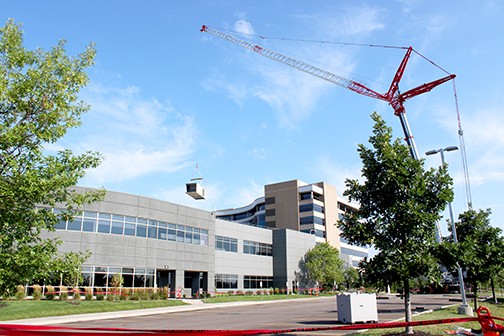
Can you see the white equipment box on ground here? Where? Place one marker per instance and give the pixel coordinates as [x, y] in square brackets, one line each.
[356, 307]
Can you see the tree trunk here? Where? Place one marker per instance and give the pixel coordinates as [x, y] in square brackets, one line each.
[475, 292]
[492, 284]
[407, 305]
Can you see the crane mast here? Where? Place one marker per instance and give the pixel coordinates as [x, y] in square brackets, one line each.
[393, 96]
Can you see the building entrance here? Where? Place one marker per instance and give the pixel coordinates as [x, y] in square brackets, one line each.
[166, 278]
[195, 281]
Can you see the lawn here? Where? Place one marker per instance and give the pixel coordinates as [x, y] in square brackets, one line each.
[14, 310]
[496, 310]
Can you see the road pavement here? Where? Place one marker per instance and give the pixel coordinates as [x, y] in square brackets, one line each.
[284, 314]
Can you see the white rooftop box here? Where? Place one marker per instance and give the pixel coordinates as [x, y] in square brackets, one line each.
[357, 307]
[195, 190]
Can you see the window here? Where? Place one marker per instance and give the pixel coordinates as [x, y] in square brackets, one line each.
[226, 281]
[141, 231]
[226, 244]
[117, 227]
[251, 247]
[257, 281]
[129, 229]
[311, 207]
[104, 226]
[88, 225]
[311, 220]
[75, 225]
[269, 200]
[305, 196]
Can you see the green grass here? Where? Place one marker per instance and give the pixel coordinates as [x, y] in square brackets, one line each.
[496, 310]
[15, 310]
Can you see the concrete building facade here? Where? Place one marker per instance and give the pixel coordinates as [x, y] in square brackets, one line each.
[153, 243]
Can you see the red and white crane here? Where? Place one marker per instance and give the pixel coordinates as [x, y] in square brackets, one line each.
[395, 98]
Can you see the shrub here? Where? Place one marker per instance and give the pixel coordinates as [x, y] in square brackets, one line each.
[20, 292]
[50, 292]
[271, 291]
[249, 293]
[100, 295]
[37, 292]
[88, 293]
[63, 293]
[134, 295]
[76, 294]
[259, 292]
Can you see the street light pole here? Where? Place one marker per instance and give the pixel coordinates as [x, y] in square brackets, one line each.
[464, 308]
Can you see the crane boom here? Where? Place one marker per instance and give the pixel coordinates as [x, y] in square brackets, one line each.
[296, 64]
[393, 96]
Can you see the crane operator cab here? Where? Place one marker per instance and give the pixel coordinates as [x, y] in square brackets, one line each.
[194, 188]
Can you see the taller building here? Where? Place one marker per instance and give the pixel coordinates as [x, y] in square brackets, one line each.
[295, 205]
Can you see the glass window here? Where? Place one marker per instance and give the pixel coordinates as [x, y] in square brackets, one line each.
[61, 225]
[142, 220]
[103, 226]
[226, 281]
[226, 244]
[254, 282]
[129, 219]
[204, 237]
[104, 215]
[75, 225]
[250, 247]
[180, 236]
[90, 214]
[172, 234]
[141, 231]
[162, 233]
[117, 227]
[88, 225]
[129, 229]
[152, 233]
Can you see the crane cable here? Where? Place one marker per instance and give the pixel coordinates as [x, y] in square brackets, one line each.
[460, 131]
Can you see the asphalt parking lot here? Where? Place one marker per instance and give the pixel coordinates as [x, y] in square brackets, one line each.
[278, 315]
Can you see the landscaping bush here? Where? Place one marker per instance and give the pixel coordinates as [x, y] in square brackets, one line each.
[63, 295]
[100, 295]
[88, 293]
[50, 292]
[20, 292]
[76, 294]
[37, 292]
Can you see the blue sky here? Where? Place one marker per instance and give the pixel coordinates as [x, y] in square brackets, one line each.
[166, 97]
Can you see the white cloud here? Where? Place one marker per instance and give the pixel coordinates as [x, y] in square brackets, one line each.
[330, 172]
[484, 138]
[136, 136]
[244, 27]
[258, 153]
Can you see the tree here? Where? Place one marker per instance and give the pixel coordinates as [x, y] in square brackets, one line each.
[479, 250]
[66, 269]
[352, 277]
[323, 265]
[38, 104]
[399, 204]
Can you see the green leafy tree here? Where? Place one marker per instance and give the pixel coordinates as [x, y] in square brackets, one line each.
[66, 269]
[479, 250]
[323, 265]
[352, 277]
[38, 104]
[399, 204]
